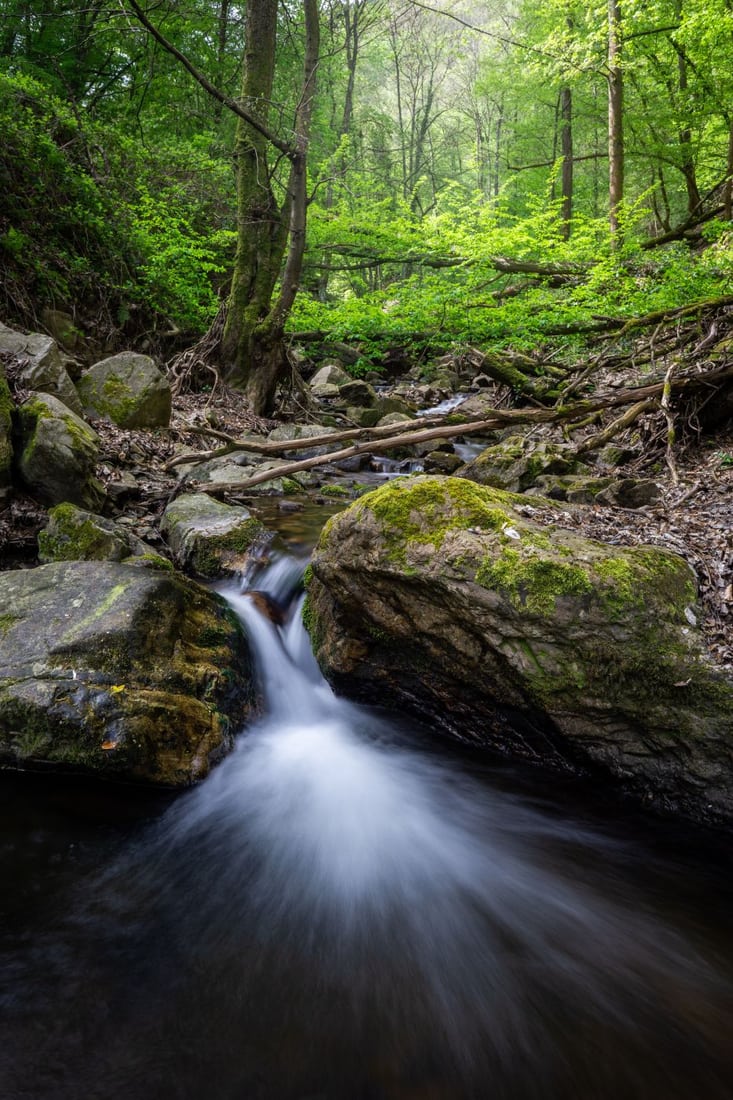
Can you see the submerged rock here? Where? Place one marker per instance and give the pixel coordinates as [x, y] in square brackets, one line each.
[438, 595]
[124, 672]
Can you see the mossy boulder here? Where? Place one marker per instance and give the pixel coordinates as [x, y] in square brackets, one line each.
[208, 538]
[441, 596]
[127, 389]
[125, 673]
[6, 440]
[41, 367]
[57, 453]
[74, 534]
[516, 463]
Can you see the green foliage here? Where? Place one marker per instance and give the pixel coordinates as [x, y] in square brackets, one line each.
[93, 221]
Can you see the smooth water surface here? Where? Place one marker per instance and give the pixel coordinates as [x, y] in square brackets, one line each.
[337, 913]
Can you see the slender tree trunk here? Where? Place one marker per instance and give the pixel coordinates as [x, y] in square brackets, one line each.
[566, 147]
[615, 121]
[252, 345]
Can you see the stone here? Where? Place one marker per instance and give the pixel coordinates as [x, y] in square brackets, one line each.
[362, 417]
[127, 389]
[330, 373]
[41, 366]
[118, 672]
[394, 418]
[61, 327]
[58, 453]
[441, 462]
[285, 433]
[516, 463]
[73, 534]
[358, 392]
[325, 391]
[439, 596]
[208, 538]
[236, 469]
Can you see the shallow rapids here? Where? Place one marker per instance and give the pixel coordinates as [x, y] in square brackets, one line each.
[338, 914]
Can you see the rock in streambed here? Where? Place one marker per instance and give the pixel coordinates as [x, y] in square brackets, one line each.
[117, 670]
[442, 596]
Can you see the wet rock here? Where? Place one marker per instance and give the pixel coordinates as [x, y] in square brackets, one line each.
[58, 453]
[41, 366]
[117, 671]
[438, 595]
[208, 538]
[127, 389]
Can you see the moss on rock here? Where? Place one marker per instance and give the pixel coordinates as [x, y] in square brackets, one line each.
[443, 596]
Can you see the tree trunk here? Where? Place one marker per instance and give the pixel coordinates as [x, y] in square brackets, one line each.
[615, 121]
[252, 352]
[566, 148]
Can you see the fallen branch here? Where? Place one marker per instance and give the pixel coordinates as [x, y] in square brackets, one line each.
[497, 418]
[593, 442]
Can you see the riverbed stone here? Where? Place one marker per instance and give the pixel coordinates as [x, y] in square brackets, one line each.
[120, 672]
[129, 390]
[440, 596]
[40, 366]
[516, 463]
[208, 538]
[58, 453]
[330, 374]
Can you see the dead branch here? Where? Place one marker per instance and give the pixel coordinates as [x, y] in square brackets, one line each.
[497, 418]
[593, 442]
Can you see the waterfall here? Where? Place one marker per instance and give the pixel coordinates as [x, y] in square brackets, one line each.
[339, 913]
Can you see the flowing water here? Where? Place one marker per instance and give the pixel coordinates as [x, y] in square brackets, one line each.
[340, 913]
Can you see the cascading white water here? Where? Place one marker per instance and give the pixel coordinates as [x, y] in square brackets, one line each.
[337, 914]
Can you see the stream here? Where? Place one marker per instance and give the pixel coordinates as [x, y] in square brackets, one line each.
[344, 910]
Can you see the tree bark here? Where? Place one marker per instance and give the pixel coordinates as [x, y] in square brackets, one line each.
[252, 345]
[615, 121]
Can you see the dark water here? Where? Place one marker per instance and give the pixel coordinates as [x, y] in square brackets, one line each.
[337, 913]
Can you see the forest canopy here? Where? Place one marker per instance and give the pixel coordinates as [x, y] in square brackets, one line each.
[470, 175]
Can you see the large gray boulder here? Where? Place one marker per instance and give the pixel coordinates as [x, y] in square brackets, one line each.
[127, 389]
[208, 538]
[439, 595]
[58, 453]
[124, 672]
[41, 367]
